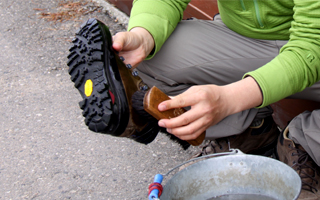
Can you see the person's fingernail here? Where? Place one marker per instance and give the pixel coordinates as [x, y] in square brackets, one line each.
[169, 130]
[121, 58]
[161, 124]
[162, 107]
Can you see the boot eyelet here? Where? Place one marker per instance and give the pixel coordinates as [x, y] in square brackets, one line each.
[129, 66]
[135, 73]
[144, 88]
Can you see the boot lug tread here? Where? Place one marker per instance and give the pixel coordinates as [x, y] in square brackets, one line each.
[85, 61]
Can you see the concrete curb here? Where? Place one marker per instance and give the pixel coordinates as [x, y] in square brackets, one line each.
[121, 17]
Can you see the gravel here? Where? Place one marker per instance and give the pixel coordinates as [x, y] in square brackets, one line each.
[46, 151]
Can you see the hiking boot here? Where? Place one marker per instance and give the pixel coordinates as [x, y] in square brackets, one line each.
[106, 85]
[295, 156]
[259, 139]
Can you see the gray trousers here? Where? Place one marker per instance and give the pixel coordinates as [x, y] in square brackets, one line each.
[207, 52]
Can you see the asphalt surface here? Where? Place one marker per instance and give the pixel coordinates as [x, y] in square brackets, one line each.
[46, 151]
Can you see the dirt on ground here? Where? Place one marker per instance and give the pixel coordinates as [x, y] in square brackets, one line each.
[46, 151]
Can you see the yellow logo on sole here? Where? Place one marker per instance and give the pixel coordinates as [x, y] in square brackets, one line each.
[88, 87]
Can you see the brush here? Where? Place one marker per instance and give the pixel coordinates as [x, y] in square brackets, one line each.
[137, 105]
[146, 104]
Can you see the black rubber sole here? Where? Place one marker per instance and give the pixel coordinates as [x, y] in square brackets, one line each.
[93, 69]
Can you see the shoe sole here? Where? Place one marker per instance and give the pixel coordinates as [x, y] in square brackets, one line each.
[93, 69]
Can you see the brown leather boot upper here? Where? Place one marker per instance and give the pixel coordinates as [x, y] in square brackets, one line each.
[295, 156]
[255, 140]
[131, 84]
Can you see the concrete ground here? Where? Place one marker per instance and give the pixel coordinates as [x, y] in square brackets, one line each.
[46, 151]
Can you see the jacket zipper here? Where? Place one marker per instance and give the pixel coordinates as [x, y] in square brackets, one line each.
[256, 7]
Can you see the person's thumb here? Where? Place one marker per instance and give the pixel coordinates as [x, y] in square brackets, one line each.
[119, 41]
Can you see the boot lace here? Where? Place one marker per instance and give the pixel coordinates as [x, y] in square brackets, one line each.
[302, 165]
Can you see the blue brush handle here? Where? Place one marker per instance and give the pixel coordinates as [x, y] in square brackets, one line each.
[155, 193]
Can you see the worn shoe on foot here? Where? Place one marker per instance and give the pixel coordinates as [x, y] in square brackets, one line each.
[259, 139]
[106, 85]
[295, 156]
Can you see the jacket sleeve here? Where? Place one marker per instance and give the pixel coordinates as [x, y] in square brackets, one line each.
[298, 64]
[159, 17]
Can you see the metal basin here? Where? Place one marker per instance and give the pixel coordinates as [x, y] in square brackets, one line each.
[237, 176]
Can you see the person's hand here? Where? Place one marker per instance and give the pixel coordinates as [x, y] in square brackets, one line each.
[209, 105]
[206, 109]
[134, 46]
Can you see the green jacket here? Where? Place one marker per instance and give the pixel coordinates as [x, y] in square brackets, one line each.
[298, 64]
